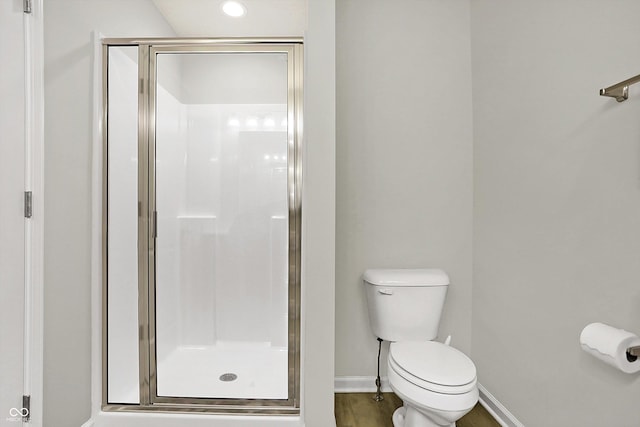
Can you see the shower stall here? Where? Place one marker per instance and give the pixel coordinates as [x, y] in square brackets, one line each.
[201, 225]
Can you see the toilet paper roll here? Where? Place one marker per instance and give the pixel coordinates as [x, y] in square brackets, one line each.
[610, 345]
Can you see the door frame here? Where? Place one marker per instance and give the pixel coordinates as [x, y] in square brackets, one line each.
[34, 226]
[148, 48]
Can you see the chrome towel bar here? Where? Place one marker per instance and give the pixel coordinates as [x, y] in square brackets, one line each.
[620, 91]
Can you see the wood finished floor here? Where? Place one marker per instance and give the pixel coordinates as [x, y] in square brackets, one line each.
[360, 410]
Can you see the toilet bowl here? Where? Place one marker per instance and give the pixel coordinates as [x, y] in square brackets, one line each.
[437, 383]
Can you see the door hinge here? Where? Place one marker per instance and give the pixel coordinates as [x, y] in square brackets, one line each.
[27, 6]
[28, 204]
[26, 408]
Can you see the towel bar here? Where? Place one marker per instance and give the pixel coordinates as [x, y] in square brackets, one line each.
[620, 91]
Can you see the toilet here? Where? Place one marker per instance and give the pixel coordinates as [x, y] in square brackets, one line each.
[436, 382]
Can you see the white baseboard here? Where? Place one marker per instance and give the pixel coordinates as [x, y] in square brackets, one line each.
[359, 384]
[497, 409]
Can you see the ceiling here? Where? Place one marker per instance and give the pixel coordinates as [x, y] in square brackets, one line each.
[264, 18]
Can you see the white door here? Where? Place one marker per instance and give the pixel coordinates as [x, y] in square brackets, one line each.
[12, 221]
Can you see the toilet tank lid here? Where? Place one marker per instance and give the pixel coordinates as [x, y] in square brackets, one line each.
[406, 277]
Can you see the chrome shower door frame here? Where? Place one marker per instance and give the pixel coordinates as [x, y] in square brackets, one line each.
[148, 50]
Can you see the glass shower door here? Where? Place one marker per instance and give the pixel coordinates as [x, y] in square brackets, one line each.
[222, 193]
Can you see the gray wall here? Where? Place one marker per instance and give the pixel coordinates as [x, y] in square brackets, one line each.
[557, 205]
[68, 138]
[318, 215]
[404, 173]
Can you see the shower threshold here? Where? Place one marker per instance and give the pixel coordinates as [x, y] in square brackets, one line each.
[226, 370]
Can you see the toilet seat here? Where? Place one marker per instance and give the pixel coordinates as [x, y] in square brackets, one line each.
[433, 366]
[430, 401]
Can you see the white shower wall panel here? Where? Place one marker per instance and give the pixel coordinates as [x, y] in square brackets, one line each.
[196, 282]
[171, 134]
[232, 79]
[236, 177]
[203, 159]
[198, 227]
[122, 308]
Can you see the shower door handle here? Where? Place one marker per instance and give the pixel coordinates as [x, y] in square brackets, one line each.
[154, 218]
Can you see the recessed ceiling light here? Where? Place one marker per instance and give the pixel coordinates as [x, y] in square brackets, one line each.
[234, 8]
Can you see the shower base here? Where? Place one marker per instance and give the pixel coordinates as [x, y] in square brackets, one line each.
[260, 370]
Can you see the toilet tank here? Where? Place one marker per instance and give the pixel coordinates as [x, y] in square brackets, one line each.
[405, 305]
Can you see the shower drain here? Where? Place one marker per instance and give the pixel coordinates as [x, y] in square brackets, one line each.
[228, 377]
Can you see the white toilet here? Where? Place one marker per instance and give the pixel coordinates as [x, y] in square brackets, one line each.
[436, 382]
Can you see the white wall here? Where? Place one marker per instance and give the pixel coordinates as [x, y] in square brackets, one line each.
[557, 205]
[68, 53]
[404, 157]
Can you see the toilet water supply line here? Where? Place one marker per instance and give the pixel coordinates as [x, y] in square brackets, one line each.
[378, 397]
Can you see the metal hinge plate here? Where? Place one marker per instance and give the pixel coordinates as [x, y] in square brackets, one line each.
[28, 204]
[27, 6]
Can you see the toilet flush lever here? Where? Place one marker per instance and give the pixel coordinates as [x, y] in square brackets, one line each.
[385, 291]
